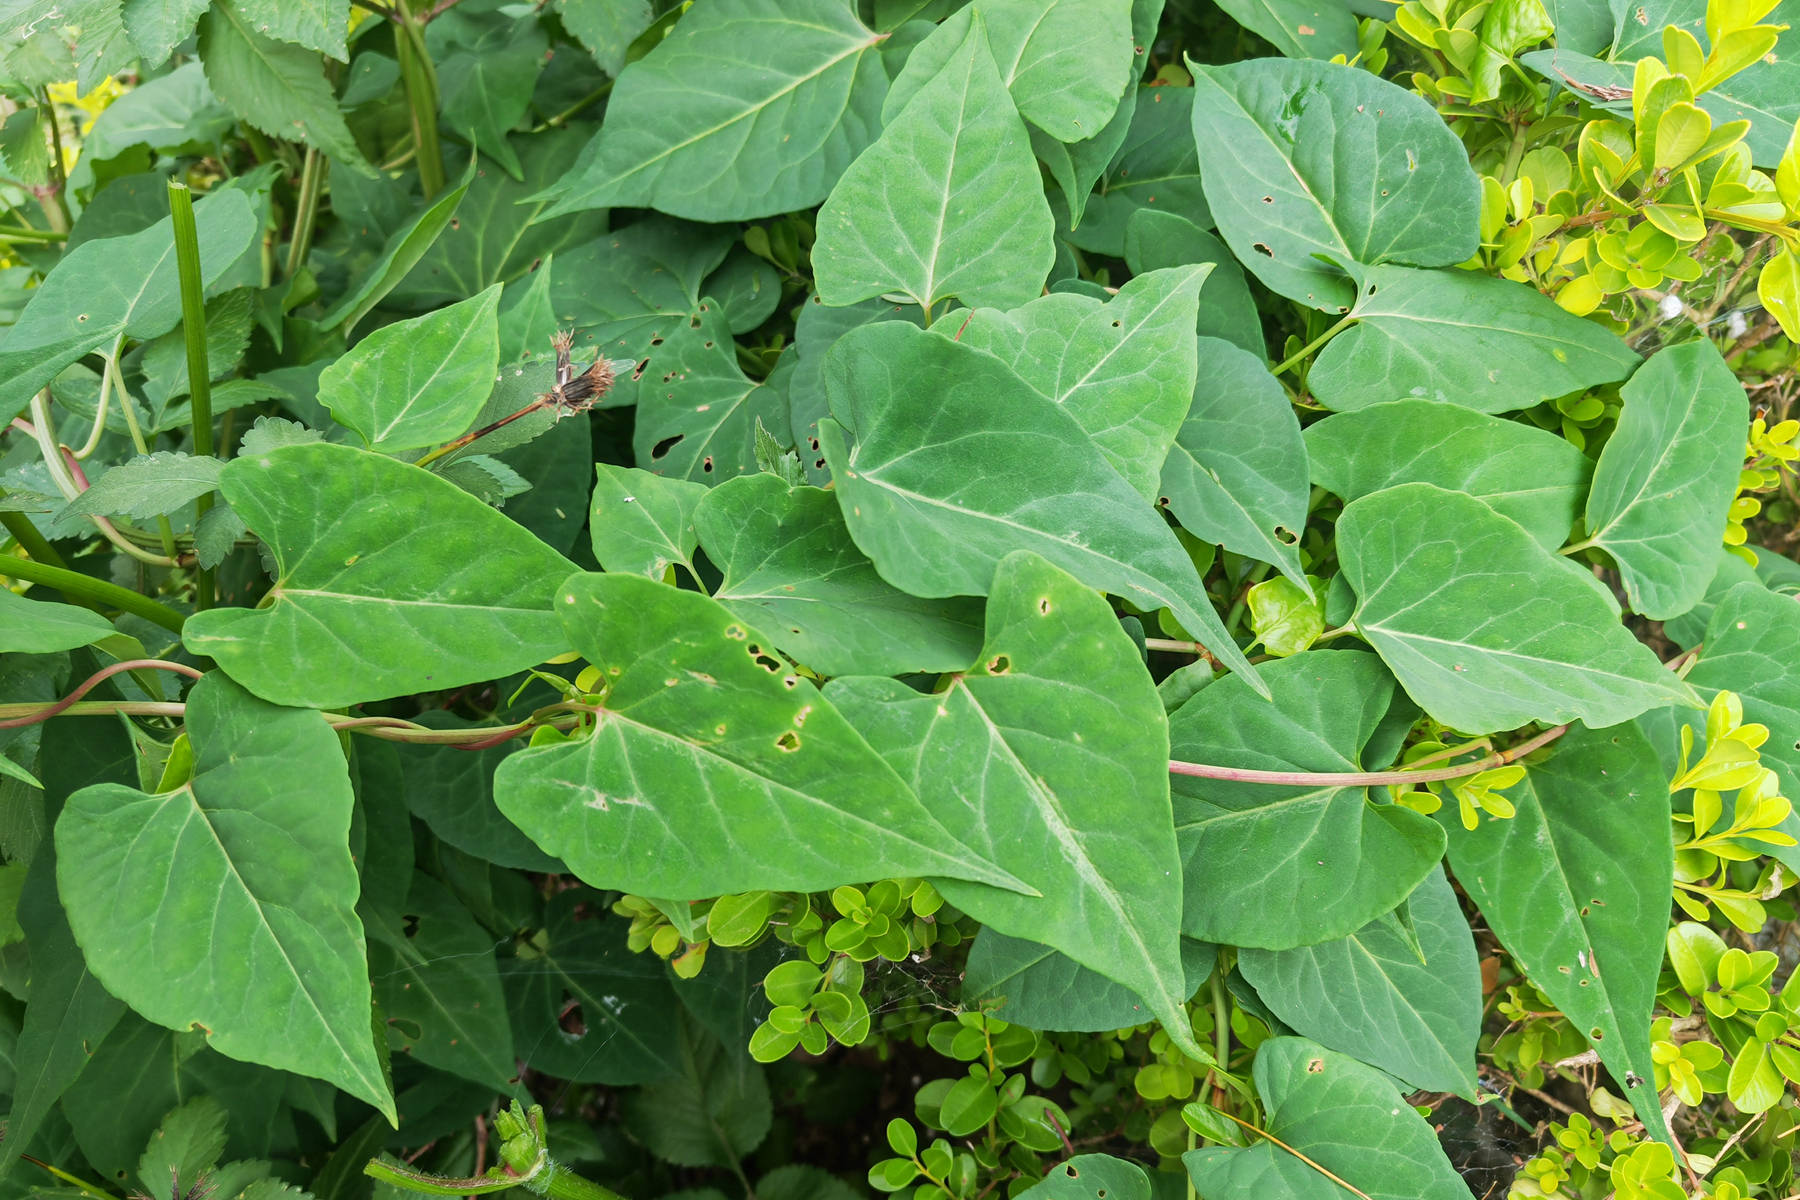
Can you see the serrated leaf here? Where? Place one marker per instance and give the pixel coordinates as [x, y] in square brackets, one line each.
[643, 523]
[370, 596]
[486, 478]
[1030, 984]
[1124, 369]
[886, 226]
[276, 86]
[1237, 474]
[1344, 1117]
[1576, 887]
[41, 627]
[180, 914]
[1521, 472]
[147, 486]
[109, 286]
[1278, 867]
[952, 450]
[156, 27]
[189, 1141]
[418, 382]
[1485, 628]
[1368, 995]
[438, 985]
[1065, 62]
[1381, 178]
[1036, 756]
[316, 24]
[790, 568]
[753, 749]
[793, 95]
[1667, 476]
[624, 1028]
[1463, 338]
[270, 433]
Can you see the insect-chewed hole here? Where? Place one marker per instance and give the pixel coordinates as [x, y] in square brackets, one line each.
[790, 682]
[569, 1018]
[1043, 606]
[409, 925]
[819, 464]
[663, 447]
[999, 665]
[1268, 199]
[637, 372]
[788, 742]
[1314, 1065]
[1595, 1034]
[1262, 249]
[706, 464]
[1286, 536]
[766, 661]
[813, 442]
[657, 340]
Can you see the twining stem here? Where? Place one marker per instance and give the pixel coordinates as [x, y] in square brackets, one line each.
[74, 583]
[1263, 1133]
[1366, 778]
[193, 332]
[64, 476]
[94, 680]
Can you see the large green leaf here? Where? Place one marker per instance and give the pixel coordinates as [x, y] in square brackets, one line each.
[1305, 158]
[1237, 474]
[439, 987]
[1077, 166]
[643, 523]
[952, 452]
[1667, 476]
[1028, 983]
[1091, 1176]
[623, 1026]
[707, 759]
[1371, 996]
[791, 568]
[947, 202]
[1751, 647]
[1576, 887]
[697, 410]
[276, 86]
[1155, 239]
[1124, 369]
[1519, 471]
[493, 238]
[1156, 167]
[419, 382]
[1065, 62]
[1299, 28]
[1485, 628]
[793, 94]
[1460, 337]
[1346, 1118]
[109, 286]
[181, 911]
[1047, 757]
[391, 581]
[1278, 867]
[816, 331]
[316, 24]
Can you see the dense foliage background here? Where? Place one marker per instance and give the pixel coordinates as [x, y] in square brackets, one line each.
[790, 598]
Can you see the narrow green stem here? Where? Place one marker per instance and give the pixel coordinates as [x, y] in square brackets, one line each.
[26, 534]
[1257, 574]
[1365, 778]
[1221, 1019]
[81, 1184]
[565, 1184]
[23, 233]
[1577, 547]
[74, 583]
[594, 97]
[1307, 349]
[1509, 170]
[422, 95]
[108, 375]
[50, 198]
[193, 332]
[312, 183]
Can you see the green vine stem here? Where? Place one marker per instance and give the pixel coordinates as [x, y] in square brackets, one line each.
[1366, 778]
[306, 208]
[420, 78]
[526, 1155]
[74, 583]
[193, 332]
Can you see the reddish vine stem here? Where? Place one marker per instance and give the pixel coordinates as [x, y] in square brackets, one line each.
[93, 681]
[1499, 758]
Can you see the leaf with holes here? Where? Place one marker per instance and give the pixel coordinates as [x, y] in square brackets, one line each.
[1047, 756]
[1092, 1177]
[180, 913]
[1311, 167]
[1485, 628]
[744, 749]
[791, 568]
[1237, 472]
[793, 94]
[1413, 1012]
[368, 593]
[1278, 867]
[952, 448]
[1576, 887]
[1667, 475]
[697, 410]
[1327, 1112]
